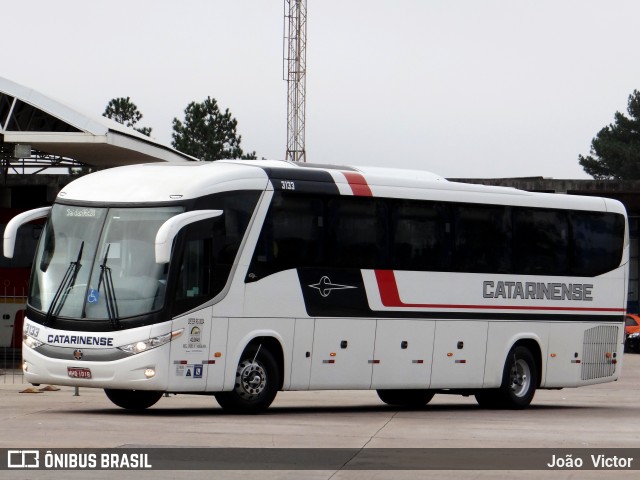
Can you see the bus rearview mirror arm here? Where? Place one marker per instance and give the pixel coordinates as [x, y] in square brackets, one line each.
[11, 231]
[169, 229]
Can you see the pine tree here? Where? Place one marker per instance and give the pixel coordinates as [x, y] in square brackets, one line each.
[124, 111]
[208, 133]
[615, 150]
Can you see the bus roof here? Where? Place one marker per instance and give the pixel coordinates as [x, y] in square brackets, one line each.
[166, 182]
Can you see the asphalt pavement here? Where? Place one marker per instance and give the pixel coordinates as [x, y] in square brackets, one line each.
[605, 416]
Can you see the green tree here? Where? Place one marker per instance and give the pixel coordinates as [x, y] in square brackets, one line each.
[615, 150]
[124, 111]
[207, 133]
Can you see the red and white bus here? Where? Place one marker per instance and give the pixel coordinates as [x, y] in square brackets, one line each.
[243, 278]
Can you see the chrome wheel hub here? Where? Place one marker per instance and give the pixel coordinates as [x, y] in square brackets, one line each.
[251, 379]
[520, 378]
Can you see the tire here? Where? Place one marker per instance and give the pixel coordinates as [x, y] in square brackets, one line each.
[133, 399]
[406, 398]
[519, 380]
[257, 383]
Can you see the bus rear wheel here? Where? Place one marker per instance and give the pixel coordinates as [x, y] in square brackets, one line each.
[519, 381]
[257, 383]
[133, 399]
[406, 398]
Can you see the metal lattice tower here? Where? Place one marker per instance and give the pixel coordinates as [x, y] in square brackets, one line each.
[295, 66]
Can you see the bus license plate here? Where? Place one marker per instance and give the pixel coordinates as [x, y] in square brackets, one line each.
[78, 372]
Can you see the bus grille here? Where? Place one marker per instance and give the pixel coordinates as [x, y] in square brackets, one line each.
[600, 349]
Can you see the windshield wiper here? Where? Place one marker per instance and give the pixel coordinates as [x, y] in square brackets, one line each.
[109, 292]
[67, 283]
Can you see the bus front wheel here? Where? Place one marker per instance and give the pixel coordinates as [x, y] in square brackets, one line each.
[519, 381]
[133, 399]
[405, 398]
[257, 383]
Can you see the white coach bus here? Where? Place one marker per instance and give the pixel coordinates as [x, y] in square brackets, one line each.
[243, 278]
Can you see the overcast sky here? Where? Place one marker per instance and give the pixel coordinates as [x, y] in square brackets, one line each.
[463, 88]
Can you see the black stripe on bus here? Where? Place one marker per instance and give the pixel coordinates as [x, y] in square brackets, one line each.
[301, 180]
[521, 317]
[346, 297]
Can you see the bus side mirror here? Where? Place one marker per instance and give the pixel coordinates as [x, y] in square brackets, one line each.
[169, 229]
[11, 230]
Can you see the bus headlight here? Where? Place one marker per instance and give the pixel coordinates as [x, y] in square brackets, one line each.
[31, 342]
[144, 345]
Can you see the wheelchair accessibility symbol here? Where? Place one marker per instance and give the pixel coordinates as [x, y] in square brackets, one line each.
[93, 296]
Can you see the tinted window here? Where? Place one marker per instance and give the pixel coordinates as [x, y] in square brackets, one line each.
[598, 242]
[357, 233]
[481, 239]
[421, 233]
[541, 242]
[210, 248]
[195, 284]
[304, 231]
[383, 233]
[291, 236]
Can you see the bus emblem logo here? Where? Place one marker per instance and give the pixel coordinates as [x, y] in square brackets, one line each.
[325, 287]
[77, 354]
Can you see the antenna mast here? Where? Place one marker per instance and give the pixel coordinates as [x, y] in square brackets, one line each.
[295, 66]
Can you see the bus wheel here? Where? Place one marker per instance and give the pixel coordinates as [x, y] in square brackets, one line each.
[133, 399]
[257, 383]
[518, 382]
[406, 398]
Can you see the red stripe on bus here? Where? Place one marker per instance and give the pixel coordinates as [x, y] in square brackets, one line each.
[358, 184]
[391, 298]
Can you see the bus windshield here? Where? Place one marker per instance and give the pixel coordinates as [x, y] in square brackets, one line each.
[98, 263]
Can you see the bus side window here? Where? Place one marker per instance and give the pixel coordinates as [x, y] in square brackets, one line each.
[482, 240]
[194, 284]
[291, 236]
[420, 236]
[597, 242]
[541, 242]
[357, 235]
[205, 264]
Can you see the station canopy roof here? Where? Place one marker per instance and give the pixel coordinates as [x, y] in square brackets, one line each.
[48, 129]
